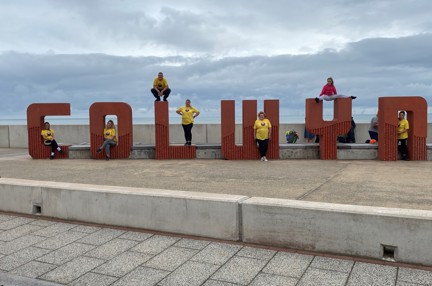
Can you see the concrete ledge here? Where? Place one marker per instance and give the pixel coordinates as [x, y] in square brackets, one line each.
[192, 213]
[342, 229]
[286, 151]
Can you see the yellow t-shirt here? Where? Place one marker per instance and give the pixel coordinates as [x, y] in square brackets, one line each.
[188, 114]
[262, 128]
[47, 134]
[108, 133]
[160, 84]
[403, 124]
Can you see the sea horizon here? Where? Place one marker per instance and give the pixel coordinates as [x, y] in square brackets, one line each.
[83, 120]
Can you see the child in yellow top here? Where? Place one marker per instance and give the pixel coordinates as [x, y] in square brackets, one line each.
[403, 127]
[188, 114]
[48, 139]
[262, 134]
[110, 139]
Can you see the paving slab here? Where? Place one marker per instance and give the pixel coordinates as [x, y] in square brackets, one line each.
[216, 253]
[7, 279]
[218, 283]
[22, 242]
[171, 258]
[101, 236]
[122, 264]
[60, 240]
[54, 229]
[240, 270]
[72, 270]
[415, 276]
[334, 264]
[288, 264]
[257, 253]
[372, 274]
[111, 249]
[264, 279]
[142, 276]
[190, 274]
[321, 277]
[19, 231]
[66, 253]
[15, 222]
[137, 236]
[192, 243]
[155, 244]
[21, 257]
[33, 269]
[93, 279]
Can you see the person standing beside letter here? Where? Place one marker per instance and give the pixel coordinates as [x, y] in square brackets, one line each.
[188, 114]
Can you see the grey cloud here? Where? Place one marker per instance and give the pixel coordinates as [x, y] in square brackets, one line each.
[368, 69]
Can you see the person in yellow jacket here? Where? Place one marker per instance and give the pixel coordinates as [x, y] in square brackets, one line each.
[188, 114]
[403, 127]
[262, 134]
[48, 139]
[110, 139]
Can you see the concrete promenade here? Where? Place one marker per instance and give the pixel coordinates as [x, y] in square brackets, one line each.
[69, 253]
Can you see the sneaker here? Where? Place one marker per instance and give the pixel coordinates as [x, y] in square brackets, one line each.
[51, 157]
[186, 144]
[157, 99]
[316, 99]
[262, 159]
[265, 159]
[107, 158]
[353, 97]
[99, 150]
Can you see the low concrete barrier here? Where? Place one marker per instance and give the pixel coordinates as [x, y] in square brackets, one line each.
[400, 234]
[192, 213]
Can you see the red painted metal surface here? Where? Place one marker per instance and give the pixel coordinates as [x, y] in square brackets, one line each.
[98, 112]
[416, 108]
[163, 148]
[36, 113]
[248, 150]
[328, 130]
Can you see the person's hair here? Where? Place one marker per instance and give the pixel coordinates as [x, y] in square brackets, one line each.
[160, 73]
[187, 100]
[330, 78]
[45, 123]
[402, 111]
[261, 112]
[112, 122]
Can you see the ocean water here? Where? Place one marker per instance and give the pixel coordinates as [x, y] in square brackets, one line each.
[70, 120]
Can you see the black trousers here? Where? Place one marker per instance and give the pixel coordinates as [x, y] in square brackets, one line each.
[51, 143]
[262, 147]
[166, 93]
[188, 132]
[402, 146]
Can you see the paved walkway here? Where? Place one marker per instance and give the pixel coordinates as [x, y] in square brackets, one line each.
[63, 253]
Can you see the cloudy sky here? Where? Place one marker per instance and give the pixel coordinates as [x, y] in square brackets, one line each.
[85, 51]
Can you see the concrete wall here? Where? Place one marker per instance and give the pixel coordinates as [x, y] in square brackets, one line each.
[200, 214]
[145, 134]
[322, 227]
[4, 136]
[343, 229]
